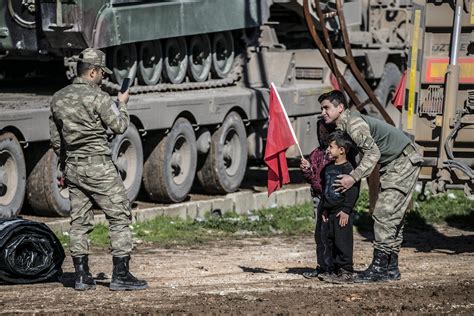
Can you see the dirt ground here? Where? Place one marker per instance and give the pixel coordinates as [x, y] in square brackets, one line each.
[263, 276]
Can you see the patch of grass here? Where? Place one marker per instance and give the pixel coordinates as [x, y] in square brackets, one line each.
[449, 208]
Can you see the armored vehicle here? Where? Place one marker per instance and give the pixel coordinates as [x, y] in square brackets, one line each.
[201, 73]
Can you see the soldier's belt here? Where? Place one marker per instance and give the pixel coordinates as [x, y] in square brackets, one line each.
[91, 159]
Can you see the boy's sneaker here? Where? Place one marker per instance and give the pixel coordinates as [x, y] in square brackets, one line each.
[343, 277]
[313, 274]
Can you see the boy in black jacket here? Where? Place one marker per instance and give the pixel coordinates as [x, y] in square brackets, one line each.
[337, 212]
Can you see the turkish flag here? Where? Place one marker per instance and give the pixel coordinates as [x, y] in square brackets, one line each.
[280, 136]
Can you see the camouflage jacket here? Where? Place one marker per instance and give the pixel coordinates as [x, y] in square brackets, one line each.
[81, 115]
[359, 131]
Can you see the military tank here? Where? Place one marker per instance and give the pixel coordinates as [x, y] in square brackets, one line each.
[158, 44]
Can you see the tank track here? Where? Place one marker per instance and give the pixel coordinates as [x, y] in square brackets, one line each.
[233, 77]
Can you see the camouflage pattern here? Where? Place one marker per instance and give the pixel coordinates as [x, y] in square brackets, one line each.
[94, 57]
[359, 131]
[98, 182]
[397, 181]
[81, 115]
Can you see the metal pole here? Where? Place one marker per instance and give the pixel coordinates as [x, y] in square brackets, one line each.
[451, 100]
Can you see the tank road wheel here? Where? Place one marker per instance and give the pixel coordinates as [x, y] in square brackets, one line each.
[12, 175]
[200, 60]
[150, 63]
[222, 54]
[224, 166]
[176, 60]
[170, 169]
[44, 192]
[127, 154]
[123, 62]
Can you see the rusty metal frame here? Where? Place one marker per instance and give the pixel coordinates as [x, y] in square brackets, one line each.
[330, 57]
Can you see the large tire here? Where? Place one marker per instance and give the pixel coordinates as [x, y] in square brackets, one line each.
[170, 169]
[127, 154]
[12, 175]
[385, 90]
[45, 195]
[225, 164]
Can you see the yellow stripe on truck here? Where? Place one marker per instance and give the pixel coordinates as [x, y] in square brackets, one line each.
[414, 56]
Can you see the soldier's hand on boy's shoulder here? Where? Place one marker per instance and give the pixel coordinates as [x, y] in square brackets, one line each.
[324, 216]
[304, 164]
[343, 183]
[343, 218]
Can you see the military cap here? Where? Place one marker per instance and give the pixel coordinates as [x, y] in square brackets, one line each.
[94, 57]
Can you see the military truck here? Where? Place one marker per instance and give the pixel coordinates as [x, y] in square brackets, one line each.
[201, 73]
[439, 101]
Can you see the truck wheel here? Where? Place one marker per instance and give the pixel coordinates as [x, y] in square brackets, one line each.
[222, 54]
[199, 58]
[123, 62]
[12, 175]
[127, 154]
[386, 89]
[150, 63]
[176, 60]
[170, 169]
[45, 195]
[224, 166]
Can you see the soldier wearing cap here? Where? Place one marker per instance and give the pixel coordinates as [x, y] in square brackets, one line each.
[400, 166]
[81, 115]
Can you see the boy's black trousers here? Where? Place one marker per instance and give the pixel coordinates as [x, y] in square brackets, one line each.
[339, 243]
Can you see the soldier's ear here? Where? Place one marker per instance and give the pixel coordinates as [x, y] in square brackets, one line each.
[340, 108]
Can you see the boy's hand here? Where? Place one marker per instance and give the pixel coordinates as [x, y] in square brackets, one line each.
[324, 215]
[304, 164]
[343, 218]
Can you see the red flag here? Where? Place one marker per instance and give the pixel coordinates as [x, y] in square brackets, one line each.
[280, 136]
[399, 97]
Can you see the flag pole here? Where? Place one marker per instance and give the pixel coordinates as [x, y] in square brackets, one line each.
[287, 119]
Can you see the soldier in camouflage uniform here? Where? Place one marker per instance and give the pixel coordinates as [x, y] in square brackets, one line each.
[400, 166]
[81, 115]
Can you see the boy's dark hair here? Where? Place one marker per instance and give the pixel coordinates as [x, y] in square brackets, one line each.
[82, 68]
[341, 139]
[336, 97]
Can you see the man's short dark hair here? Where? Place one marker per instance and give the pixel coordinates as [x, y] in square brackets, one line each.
[82, 68]
[336, 97]
[341, 139]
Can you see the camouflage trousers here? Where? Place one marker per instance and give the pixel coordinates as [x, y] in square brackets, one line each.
[397, 183]
[98, 182]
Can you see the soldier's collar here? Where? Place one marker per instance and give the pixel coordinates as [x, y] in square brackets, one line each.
[341, 122]
[79, 80]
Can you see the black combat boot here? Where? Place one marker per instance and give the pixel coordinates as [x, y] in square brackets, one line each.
[122, 279]
[377, 271]
[84, 280]
[393, 271]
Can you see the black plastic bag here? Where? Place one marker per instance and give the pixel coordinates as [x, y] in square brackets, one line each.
[29, 252]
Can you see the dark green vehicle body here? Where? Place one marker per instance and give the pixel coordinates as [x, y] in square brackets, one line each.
[52, 28]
